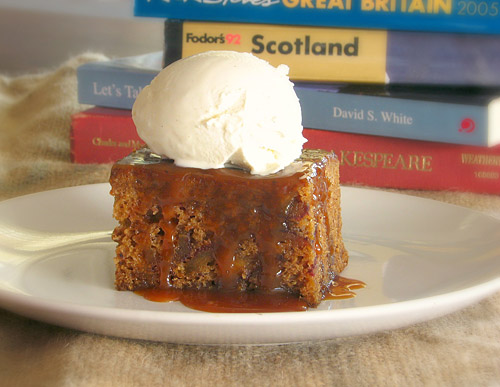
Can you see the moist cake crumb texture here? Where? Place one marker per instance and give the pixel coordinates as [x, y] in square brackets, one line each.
[225, 229]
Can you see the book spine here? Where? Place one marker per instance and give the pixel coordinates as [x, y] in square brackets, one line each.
[347, 55]
[394, 117]
[466, 16]
[102, 138]
[117, 88]
[407, 164]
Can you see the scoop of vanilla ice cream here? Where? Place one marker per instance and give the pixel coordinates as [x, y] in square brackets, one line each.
[221, 107]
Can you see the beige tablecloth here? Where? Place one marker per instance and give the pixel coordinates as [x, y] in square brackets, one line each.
[461, 349]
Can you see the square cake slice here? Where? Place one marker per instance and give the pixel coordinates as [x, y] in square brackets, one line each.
[227, 229]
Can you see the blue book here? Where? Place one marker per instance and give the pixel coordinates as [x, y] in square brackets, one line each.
[469, 116]
[469, 16]
[116, 83]
[320, 54]
[460, 115]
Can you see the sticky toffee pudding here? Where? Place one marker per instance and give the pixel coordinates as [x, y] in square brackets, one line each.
[193, 234]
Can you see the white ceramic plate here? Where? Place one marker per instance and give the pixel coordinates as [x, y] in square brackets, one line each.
[420, 259]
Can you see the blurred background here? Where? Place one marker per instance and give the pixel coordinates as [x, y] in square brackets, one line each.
[41, 34]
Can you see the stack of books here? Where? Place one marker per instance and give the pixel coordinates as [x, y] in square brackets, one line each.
[406, 92]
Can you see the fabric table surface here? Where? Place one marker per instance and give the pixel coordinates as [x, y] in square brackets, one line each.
[460, 349]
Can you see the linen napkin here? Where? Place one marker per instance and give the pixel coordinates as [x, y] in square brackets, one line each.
[35, 122]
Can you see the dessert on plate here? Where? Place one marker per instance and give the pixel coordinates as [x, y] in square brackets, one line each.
[224, 199]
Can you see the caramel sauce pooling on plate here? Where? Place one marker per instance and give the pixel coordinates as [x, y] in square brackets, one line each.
[220, 301]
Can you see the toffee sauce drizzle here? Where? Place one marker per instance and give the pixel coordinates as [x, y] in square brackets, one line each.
[236, 213]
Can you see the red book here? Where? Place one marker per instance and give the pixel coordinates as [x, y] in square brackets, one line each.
[101, 135]
[409, 164]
